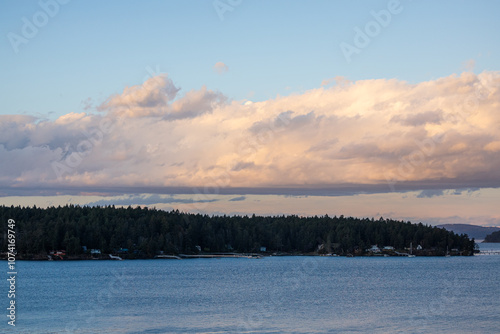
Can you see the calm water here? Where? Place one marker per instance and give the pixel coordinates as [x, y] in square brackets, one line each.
[270, 295]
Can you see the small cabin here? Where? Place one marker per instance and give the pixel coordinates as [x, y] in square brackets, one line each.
[373, 249]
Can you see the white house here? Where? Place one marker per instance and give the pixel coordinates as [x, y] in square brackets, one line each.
[374, 249]
[389, 248]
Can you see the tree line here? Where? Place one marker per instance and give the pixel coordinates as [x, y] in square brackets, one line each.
[145, 232]
[493, 237]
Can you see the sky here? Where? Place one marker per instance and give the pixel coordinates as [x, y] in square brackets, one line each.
[356, 108]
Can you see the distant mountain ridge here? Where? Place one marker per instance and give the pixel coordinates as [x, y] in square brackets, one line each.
[473, 231]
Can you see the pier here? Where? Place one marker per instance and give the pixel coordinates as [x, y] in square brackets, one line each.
[218, 256]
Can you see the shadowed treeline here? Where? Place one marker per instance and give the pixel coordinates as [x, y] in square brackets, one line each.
[144, 233]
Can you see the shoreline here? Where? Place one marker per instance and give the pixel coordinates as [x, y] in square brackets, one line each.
[121, 257]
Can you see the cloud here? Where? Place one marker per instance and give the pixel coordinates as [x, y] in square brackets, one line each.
[242, 165]
[238, 199]
[324, 146]
[148, 199]
[431, 117]
[493, 146]
[220, 67]
[338, 80]
[430, 193]
[366, 136]
[468, 191]
[195, 103]
[158, 97]
[150, 98]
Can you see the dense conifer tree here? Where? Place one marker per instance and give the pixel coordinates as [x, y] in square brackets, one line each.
[146, 232]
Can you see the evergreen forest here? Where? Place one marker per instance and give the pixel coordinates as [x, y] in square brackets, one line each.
[142, 232]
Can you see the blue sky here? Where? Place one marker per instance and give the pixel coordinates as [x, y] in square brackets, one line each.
[232, 106]
[92, 49]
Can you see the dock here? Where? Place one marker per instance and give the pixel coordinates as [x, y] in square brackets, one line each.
[168, 257]
[218, 256]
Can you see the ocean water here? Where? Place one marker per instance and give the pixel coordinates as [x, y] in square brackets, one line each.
[269, 295]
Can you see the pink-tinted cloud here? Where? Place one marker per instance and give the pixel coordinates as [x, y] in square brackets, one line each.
[149, 99]
[158, 97]
[371, 135]
[220, 67]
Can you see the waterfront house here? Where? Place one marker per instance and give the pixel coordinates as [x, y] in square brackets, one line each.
[373, 249]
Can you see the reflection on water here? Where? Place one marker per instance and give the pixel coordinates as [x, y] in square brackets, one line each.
[269, 295]
[486, 246]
